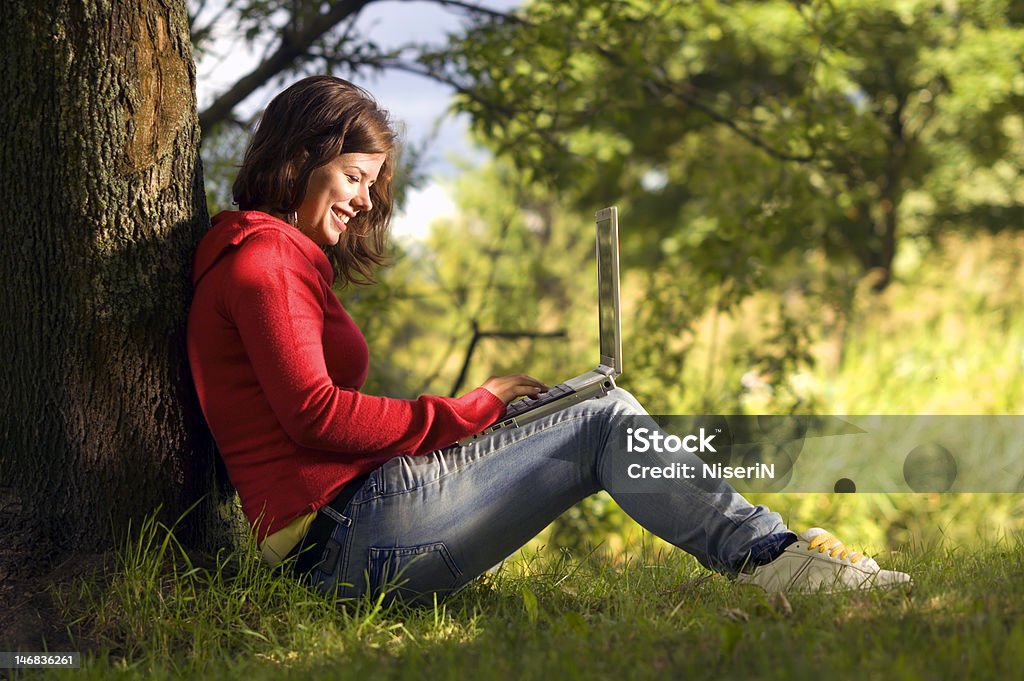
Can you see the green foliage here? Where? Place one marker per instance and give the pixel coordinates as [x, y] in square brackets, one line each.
[745, 137]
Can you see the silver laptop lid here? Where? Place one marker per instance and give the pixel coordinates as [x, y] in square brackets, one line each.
[608, 288]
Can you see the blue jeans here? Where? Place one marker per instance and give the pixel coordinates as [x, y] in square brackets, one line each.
[431, 524]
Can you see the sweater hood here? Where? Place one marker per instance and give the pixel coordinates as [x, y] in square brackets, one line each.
[232, 227]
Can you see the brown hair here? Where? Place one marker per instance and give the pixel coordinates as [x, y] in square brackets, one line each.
[306, 126]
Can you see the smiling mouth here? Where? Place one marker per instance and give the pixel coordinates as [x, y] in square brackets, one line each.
[341, 218]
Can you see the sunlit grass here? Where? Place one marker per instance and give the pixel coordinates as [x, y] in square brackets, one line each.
[548, 614]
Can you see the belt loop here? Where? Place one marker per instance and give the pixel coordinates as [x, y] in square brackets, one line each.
[336, 517]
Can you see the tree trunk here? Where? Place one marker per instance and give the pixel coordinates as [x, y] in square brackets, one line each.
[102, 206]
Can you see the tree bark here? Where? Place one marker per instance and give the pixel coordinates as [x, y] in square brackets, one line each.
[102, 206]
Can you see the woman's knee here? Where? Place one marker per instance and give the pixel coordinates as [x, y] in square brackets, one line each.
[622, 403]
[612, 413]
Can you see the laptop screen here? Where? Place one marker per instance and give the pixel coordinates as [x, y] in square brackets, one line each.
[608, 288]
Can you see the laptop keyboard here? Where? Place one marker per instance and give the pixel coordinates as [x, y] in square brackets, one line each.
[518, 407]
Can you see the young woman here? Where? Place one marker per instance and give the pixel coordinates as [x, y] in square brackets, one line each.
[369, 491]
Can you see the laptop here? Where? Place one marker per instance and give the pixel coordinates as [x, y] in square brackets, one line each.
[596, 382]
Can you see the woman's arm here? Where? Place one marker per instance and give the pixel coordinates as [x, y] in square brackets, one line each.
[277, 302]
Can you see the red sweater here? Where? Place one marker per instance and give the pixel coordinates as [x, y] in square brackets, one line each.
[278, 365]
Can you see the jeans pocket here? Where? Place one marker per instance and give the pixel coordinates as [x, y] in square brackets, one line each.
[413, 573]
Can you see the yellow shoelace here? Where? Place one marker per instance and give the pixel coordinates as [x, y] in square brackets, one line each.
[828, 542]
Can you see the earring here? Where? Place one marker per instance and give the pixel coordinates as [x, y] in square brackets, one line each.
[293, 219]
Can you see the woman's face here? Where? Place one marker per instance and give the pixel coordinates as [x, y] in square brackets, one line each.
[336, 192]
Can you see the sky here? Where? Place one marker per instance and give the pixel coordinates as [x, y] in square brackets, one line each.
[419, 105]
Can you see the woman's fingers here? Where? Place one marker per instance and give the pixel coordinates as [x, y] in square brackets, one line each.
[507, 388]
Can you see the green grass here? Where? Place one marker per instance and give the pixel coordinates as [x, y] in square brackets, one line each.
[652, 614]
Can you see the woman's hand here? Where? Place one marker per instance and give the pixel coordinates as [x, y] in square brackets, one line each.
[508, 388]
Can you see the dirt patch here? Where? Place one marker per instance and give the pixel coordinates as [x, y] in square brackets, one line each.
[30, 620]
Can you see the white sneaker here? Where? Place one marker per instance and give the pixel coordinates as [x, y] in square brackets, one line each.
[818, 562]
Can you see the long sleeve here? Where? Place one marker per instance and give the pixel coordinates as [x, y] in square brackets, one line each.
[282, 308]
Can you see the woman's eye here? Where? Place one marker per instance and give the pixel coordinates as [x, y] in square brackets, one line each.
[353, 179]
